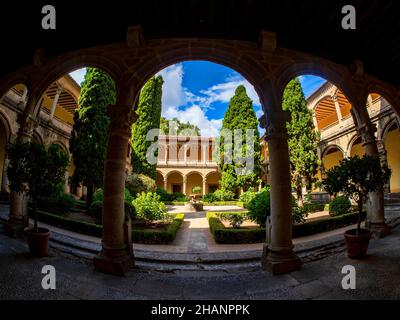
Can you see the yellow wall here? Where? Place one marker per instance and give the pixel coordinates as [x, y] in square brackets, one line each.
[174, 178]
[193, 180]
[357, 150]
[60, 112]
[392, 145]
[332, 159]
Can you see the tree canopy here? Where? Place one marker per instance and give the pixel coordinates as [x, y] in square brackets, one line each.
[303, 138]
[178, 127]
[88, 142]
[149, 114]
[240, 115]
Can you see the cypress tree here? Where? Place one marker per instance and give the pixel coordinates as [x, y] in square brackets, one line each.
[88, 142]
[303, 138]
[240, 115]
[149, 114]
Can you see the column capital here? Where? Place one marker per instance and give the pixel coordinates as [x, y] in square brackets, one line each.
[27, 125]
[367, 133]
[121, 118]
[274, 122]
[335, 97]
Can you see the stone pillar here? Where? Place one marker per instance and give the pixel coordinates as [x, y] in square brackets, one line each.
[4, 180]
[278, 256]
[184, 185]
[166, 151]
[18, 219]
[337, 107]
[204, 185]
[166, 184]
[375, 221]
[55, 101]
[204, 152]
[384, 161]
[115, 256]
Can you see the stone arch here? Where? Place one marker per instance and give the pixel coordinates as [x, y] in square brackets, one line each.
[351, 142]
[331, 156]
[37, 137]
[159, 56]
[160, 179]
[330, 147]
[386, 128]
[8, 83]
[7, 124]
[175, 181]
[386, 93]
[194, 178]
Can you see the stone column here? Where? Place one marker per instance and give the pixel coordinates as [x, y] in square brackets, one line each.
[55, 101]
[375, 221]
[116, 256]
[278, 256]
[18, 219]
[204, 152]
[337, 107]
[184, 185]
[204, 185]
[166, 184]
[4, 180]
[166, 151]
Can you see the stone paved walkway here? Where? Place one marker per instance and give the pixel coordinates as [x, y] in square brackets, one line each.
[377, 277]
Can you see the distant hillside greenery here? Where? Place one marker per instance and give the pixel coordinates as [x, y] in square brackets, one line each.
[176, 127]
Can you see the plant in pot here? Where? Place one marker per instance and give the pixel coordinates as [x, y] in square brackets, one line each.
[36, 171]
[355, 178]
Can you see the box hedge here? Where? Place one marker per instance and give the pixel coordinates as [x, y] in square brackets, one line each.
[231, 235]
[96, 230]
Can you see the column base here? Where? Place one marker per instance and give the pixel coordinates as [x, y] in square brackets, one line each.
[378, 230]
[118, 266]
[279, 262]
[15, 228]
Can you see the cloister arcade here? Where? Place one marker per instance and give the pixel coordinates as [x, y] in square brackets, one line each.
[267, 67]
[339, 135]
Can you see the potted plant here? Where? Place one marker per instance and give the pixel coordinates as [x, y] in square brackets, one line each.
[355, 178]
[36, 171]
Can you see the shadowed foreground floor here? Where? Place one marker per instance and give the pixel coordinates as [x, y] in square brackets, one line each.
[377, 278]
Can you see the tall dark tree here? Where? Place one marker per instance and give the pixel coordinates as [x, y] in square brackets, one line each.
[240, 115]
[303, 138]
[149, 114]
[88, 142]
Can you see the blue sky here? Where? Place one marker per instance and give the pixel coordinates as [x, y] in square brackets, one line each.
[199, 92]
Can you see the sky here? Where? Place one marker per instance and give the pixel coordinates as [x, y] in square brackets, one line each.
[199, 92]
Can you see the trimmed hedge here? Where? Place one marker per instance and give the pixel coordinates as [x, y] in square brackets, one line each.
[159, 236]
[231, 235]
[225, 235]
[215, 203]
[90, 229]
[96, 230]
[328, 224]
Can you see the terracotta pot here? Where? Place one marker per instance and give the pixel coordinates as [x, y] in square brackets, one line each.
[38, 241]
[357, 245]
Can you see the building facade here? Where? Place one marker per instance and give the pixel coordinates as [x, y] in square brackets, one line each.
[339, 136]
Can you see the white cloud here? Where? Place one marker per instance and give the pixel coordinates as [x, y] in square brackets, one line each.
[78, 75]
[174, 95]
[224, 91]
[179, 102]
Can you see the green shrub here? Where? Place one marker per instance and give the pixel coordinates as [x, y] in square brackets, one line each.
[259, 207]
[311, 205]
[339, 206]
[223, 195]
[149, 207]
[98, 195]
[96, 210]
[164, 195]
[159, 236]
[246, 197]
[138, 183]
[209, 197]
[58, 204]
[235, 219]
[231, 235]
[196, 189]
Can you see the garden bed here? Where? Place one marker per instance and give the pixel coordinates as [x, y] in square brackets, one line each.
[163, 235]
[224, 235]
[216, 203]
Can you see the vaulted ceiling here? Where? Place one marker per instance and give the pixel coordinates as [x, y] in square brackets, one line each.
[311, 26]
